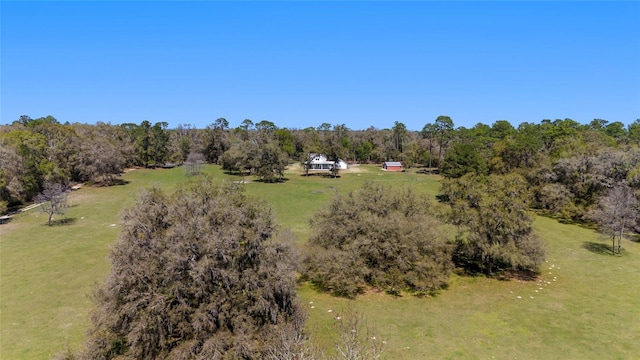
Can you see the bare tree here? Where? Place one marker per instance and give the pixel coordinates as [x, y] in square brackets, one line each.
[335, 169]
[193, 164]
[291, 343]
[357, 340]
[53, 199]
[615, 213]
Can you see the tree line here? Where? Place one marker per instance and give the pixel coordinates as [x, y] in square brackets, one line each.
[213, 279]
[568, 166]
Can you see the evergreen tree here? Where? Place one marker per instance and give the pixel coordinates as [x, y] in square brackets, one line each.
[495, 229]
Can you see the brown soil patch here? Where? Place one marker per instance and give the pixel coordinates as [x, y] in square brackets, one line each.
[8, 227]
[353, 169]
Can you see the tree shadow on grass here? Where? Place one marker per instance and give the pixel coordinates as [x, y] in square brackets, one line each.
[517, 274]
[119, 182]
[428, 171]
[503, 274]
[597, 248]
[63, 222]
[323, 175]
[273, 181]
[108, 183]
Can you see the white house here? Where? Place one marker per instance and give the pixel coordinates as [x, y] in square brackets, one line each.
[319, 162]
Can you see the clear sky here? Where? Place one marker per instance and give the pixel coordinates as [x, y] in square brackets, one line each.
[300, 64]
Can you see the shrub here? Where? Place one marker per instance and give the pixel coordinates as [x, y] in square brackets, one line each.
[378, 237]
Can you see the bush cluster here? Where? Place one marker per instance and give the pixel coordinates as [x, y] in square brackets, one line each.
[378, 237]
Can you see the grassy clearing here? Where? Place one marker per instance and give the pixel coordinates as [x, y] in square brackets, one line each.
[295, 200]
[584, 306]
[588, 307]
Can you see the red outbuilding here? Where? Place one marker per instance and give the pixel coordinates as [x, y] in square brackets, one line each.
[392, 166]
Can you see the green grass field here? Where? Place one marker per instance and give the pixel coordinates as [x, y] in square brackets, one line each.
[585, 305]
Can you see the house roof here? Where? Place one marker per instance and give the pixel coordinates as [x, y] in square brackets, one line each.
[392, 163]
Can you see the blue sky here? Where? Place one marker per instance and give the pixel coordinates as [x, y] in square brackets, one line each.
[301, 64]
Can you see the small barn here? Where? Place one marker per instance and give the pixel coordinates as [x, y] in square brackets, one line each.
[392, 166]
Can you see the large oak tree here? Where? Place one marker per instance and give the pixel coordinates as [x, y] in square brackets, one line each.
[378, 237]
[195, 274]
[495, 228]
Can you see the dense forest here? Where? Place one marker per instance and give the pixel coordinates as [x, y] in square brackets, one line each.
[568, 167]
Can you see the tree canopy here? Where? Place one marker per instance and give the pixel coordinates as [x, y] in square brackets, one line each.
[495, 229]
[195, 274]
[378, 237]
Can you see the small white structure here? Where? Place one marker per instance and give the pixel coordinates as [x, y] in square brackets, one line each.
[319, 162]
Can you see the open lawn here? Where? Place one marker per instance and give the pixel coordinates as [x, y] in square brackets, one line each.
[585, 304]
